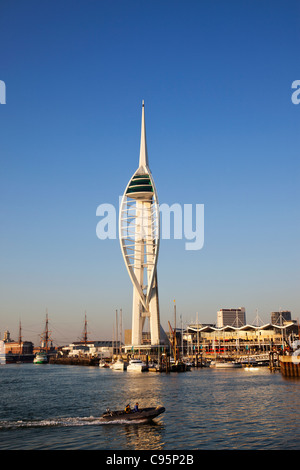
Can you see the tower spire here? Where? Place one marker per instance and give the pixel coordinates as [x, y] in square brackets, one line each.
[143, 146]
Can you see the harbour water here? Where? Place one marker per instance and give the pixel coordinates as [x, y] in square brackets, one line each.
[54, 407]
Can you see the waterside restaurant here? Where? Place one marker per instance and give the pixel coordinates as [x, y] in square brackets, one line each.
[232, 340]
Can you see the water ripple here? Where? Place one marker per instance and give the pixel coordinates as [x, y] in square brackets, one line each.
[58, 407]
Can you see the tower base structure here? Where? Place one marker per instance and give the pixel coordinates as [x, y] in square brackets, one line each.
[146, 347]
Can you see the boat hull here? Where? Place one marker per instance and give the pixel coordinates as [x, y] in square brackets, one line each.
[118, 365]
[41, 359]
[137, 368]
[103, 365]
[144, 414]
[136, 365]
[226, 365]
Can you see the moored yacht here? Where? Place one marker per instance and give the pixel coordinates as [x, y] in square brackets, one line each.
[225, 365]
[103, 364]
[136, 365]
[119, 364]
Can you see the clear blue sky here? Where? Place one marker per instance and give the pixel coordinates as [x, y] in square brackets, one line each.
[222, 131]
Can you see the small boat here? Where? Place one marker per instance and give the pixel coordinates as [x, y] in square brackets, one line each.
[103, 364]
[40, 358]
[118, 365]
[136, 365]
[225, 365]
[144, 414]
[189, 363]
[179, 367]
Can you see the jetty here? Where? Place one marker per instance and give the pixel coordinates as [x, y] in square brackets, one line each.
[290, 365]
[74, 361]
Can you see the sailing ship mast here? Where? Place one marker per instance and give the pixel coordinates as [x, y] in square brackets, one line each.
[117, 334]
[173, 339]
[20, 338]
[121, 328]
[85, 332]
[45, 337]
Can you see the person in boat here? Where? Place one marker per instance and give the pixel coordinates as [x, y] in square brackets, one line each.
[127, 409]
[136, 407]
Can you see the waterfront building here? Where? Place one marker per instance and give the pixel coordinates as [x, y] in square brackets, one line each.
[278, 318]
[13, 351]
[7, 338]
[14, 347]
[100, 349]
[139, 232]
[231, 316]
[2, 353]
[232, 340]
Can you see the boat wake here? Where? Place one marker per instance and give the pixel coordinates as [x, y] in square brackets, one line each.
[64, 422]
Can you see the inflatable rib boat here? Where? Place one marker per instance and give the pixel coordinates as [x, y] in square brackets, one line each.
[146, 414]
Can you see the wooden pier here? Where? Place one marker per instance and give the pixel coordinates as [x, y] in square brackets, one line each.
[274, 364]
[290, 366]
[75, 361]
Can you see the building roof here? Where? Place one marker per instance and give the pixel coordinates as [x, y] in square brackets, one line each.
[267, 326]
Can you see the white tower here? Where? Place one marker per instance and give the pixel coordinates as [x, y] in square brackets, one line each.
[139, 238]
